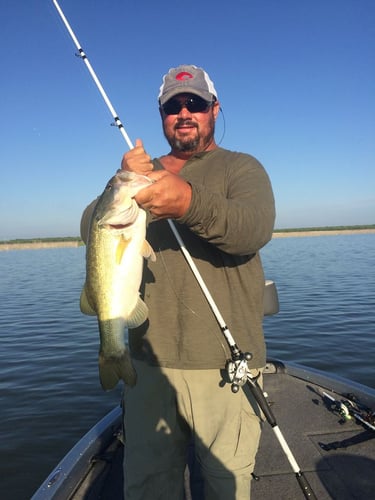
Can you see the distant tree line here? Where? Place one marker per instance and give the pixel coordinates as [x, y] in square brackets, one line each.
[43, 240]
[325, 228]
[287, 230]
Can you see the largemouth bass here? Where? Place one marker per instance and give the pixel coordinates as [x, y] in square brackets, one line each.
[115, 250]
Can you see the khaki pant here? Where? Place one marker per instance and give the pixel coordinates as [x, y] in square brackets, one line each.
[169, 407]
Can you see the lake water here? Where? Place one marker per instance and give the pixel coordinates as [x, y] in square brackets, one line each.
[49, 389]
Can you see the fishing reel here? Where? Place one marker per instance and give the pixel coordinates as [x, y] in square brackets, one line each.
[238, 370]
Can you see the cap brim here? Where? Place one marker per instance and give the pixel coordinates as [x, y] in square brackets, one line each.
[207, 96]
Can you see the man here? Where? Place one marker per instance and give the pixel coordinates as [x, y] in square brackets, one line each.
[223, 207]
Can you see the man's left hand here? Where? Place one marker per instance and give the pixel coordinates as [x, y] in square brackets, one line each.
[168, 197]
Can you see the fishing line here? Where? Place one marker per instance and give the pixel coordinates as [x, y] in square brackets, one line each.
[237, 368]
[187, 307]
[224, 127]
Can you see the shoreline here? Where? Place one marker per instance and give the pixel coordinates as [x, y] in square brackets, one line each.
[282, 234]
[328, 232]
[38, 245]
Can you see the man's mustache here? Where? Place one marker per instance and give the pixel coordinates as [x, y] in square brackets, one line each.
[185, 123]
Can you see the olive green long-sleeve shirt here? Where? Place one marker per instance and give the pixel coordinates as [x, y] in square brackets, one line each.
[230, 218]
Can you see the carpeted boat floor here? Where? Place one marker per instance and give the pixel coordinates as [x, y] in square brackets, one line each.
[334, 456]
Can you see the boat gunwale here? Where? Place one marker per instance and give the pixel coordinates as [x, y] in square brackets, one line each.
[62, 481]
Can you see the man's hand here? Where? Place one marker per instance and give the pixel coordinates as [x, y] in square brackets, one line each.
[137, 160]
[168, 197]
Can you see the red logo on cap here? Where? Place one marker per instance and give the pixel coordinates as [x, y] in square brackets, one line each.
[184, 75]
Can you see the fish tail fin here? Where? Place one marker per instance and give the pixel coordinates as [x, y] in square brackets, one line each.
[115, 368]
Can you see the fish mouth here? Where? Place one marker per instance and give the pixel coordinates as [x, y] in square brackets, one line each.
[116, 218]
[117, 226]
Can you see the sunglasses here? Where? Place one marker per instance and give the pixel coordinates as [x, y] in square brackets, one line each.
[194, 104]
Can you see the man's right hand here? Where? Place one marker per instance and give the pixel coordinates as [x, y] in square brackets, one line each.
[137, 160]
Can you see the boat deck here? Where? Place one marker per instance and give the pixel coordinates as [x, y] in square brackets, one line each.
[344, 470]
[344, 473]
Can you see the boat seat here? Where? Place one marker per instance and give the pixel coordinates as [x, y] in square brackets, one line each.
[271, 299]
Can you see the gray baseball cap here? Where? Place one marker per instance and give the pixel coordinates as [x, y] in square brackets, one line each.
[186, 78]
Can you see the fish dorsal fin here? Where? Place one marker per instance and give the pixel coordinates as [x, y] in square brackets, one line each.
[147, 251]
[120, 249]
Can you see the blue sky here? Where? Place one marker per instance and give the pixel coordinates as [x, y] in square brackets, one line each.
[295, 78]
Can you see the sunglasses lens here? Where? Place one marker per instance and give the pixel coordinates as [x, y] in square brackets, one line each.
[197, 105]
[172, 107]
[193, 104]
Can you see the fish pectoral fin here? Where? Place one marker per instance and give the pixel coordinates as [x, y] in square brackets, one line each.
[85, 305]
[147, 251]
[138, 315]
[120, 249]
[115, 368]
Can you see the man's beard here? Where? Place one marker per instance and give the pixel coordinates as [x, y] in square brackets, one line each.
[197, 144]
[184, 146]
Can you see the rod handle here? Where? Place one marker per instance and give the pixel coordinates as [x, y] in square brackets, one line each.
[305, 486]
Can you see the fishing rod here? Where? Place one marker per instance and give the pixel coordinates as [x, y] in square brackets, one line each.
[350, 407]
[121, 128]
[83, 56]
[237, 368]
